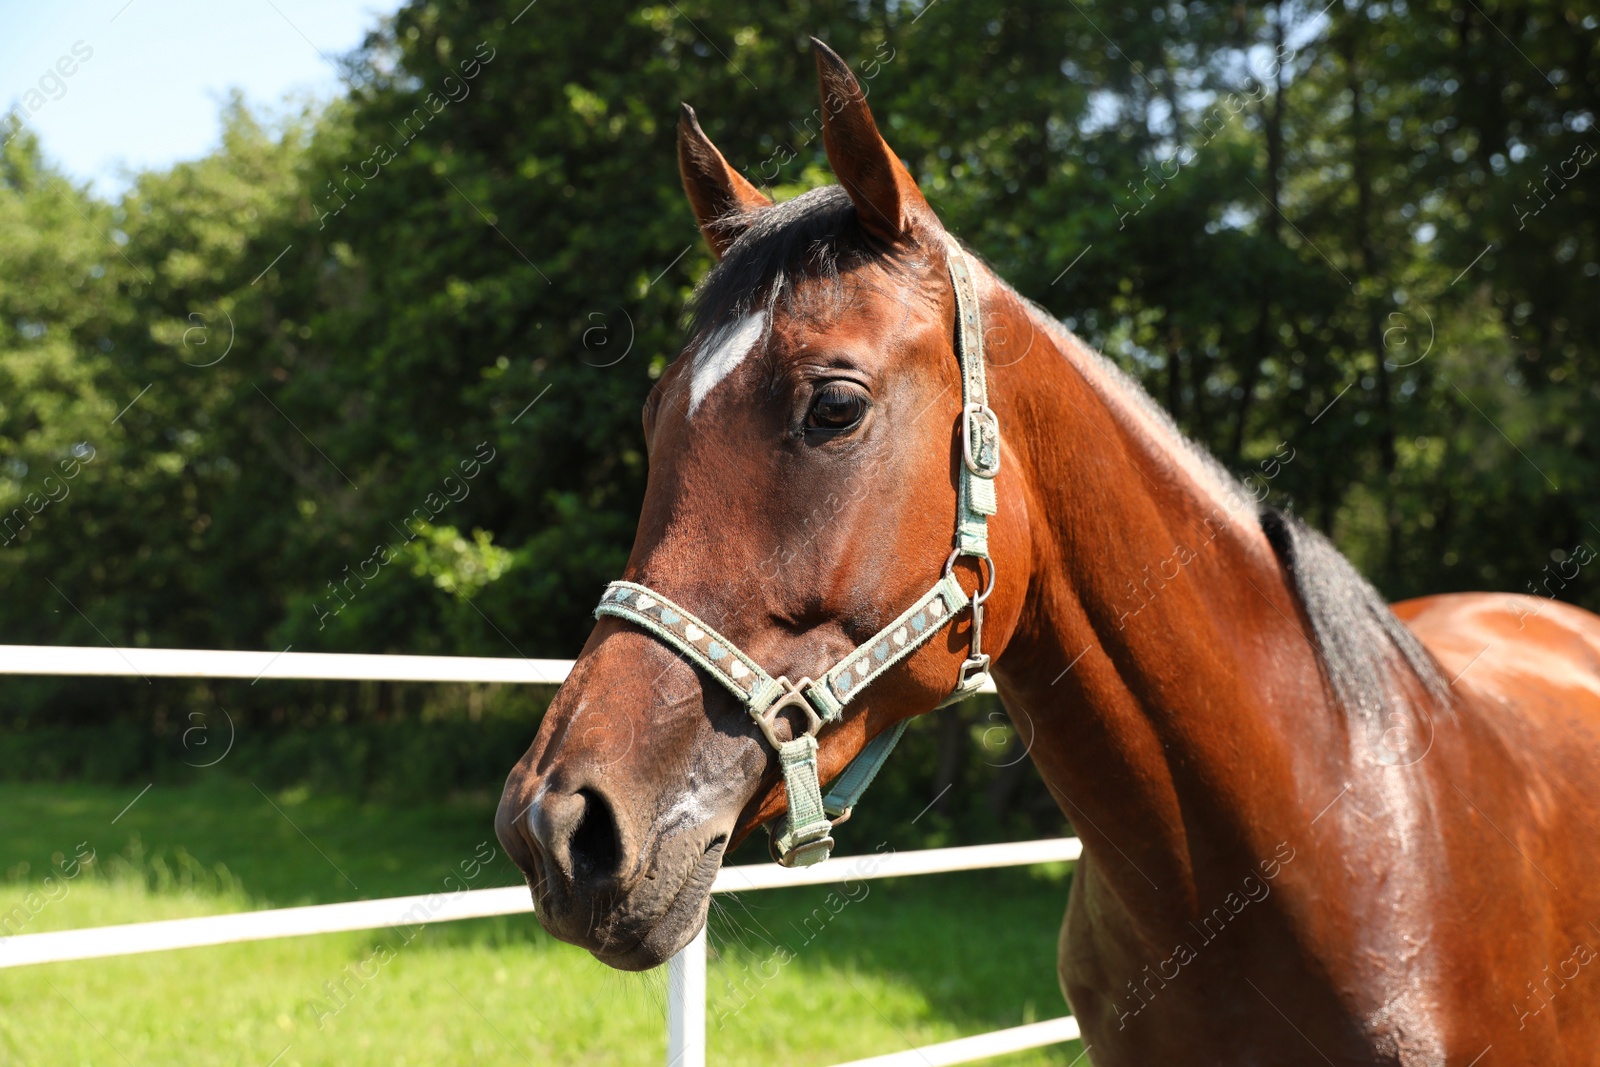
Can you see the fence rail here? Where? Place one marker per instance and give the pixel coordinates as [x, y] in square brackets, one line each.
[686, 972]
[288, 665]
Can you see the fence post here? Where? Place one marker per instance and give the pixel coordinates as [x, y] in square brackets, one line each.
[686, 1005]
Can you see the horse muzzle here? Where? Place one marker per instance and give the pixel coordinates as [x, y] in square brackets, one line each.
[594, 887]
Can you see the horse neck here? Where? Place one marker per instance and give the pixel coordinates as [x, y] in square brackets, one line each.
[1159, 663]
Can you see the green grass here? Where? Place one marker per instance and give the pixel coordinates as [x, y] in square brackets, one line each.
[919, 960]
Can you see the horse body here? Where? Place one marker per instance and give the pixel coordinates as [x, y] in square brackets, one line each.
[1265, 878]
[1307, 836]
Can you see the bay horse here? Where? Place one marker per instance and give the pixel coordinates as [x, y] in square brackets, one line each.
[1315, 828]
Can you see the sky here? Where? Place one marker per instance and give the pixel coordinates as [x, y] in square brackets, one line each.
[151, 89]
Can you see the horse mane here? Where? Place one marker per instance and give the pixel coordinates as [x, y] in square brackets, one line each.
[816, 235]
[1362, 647]
[1360, 642]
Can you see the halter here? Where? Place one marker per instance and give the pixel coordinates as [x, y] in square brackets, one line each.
[811, 817]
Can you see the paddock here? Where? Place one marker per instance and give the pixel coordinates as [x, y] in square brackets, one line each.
[685, 1021]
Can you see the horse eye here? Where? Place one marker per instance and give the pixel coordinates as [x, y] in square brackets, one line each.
[837, 406]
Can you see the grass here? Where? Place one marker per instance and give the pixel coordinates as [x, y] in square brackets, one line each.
[802, 976]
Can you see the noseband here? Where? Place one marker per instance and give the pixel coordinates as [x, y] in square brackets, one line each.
[811, 817]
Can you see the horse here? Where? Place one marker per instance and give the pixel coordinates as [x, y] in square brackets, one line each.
[1314, 828]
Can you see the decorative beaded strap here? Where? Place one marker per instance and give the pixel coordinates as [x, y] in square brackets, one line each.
[890, 645]
[805, 838]
[698, 642]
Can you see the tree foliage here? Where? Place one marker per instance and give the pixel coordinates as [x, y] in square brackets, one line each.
[370, 378]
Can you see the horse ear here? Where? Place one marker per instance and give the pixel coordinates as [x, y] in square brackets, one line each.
[886, 196]
[718, 193]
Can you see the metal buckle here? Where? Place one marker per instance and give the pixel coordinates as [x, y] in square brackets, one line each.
[974, 672]
[807, 854]
[986, 462]
[794, 697]
[801, 855]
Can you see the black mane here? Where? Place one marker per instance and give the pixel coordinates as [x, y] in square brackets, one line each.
[815, 235]
[1360, 642]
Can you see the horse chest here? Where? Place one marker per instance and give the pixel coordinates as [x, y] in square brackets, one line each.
[1249, 993]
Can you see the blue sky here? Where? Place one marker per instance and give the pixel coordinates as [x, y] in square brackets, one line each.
[157, 72]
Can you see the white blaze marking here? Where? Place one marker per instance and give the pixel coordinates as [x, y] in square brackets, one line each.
[724, 350]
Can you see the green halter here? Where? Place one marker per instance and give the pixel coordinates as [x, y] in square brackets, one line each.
[806, 837]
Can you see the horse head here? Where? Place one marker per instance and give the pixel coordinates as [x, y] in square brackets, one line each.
[807, 451]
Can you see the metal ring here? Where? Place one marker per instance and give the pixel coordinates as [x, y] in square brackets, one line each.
[949, 565]
[793, 697]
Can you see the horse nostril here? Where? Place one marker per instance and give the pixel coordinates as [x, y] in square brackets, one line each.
[594, 846]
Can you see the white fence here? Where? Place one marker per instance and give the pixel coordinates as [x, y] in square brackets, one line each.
[686, 999]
